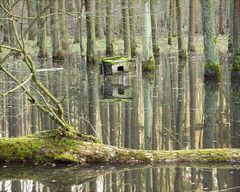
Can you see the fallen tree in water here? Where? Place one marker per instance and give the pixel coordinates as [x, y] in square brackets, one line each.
[59, 146]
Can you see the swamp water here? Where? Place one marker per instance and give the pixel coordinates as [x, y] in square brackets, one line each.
[172, 108]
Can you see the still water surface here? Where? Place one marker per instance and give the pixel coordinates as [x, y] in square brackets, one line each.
[172, 108]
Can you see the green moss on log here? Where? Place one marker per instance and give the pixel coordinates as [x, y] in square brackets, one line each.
[62, 147]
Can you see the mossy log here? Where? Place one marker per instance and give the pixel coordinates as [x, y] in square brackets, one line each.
[68, 147]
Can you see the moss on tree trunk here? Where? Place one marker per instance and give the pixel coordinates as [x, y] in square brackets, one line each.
[69, 147]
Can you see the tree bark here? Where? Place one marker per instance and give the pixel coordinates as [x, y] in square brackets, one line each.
[42, 53]
[147, 48]
[30, 9]
[63, 24]
[191, 32]
[212, 68]
[132, 20]
[154, 12]
[236, 36]
[222, 16]
[91, 36]
[181, 52]
[109, 29]
[126, 28]
[57, 52]
[99, 19]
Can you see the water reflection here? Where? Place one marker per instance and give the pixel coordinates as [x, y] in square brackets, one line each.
[170, 109]
[132, 178]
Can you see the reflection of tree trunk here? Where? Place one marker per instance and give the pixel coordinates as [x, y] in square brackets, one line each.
[16, 186]
[148, 114]
[127, 135]
[166, 106]
[193, 102]
[207, 180]
[156, 176]
[180, 103]
[93, 103]
[105, 123]
[235, 117]
[193, 179]
[210, 110]
[178, 182]
[149, 179]
[127, 181]
[113, 123]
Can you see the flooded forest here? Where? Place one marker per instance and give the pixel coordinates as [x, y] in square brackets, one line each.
[160, 75]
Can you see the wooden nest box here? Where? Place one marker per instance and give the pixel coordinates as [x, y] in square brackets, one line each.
[114, 65]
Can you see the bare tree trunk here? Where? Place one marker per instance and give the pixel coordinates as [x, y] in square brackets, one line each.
[236, 36]
[170, 20]
[147, 36]
[30, 9]
[126, 28]
[212, 68]
[230, 21]
[99, 19]
[78, 30]
[91, 36]
[42, 53]
[181, 52]
[63, 24]
[57, 52]
[109, 29]
[222, 16]
[132, 19]
[191, 32]
[174, 18]
[154, 11]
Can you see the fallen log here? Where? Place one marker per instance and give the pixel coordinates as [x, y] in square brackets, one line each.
[59, 146]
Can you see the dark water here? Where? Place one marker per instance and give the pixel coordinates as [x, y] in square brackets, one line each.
[172, 108]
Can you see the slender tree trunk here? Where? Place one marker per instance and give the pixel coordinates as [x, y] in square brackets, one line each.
[191, 32]
[222, 16]
[57, 52]
[154, 12]
[109, 29]
[236, 36]
[181, 52]
[212, 68]
[42, 53]
[63, 24]
[132, 19]
[30, 9]
[91, 36]
[230, 21]
[174, 18]
[126, 28]
[99, 19]
[170, 20]
[147, 35]
[78, 29]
